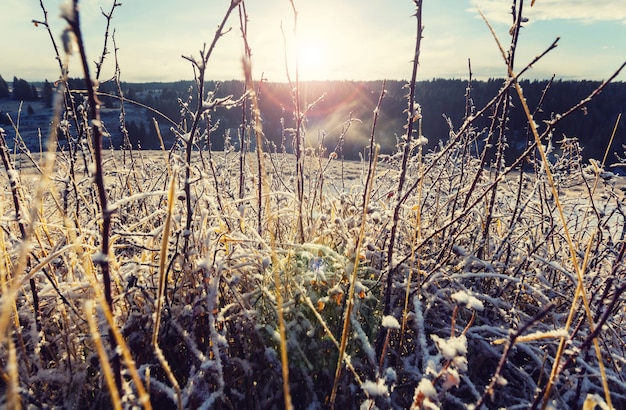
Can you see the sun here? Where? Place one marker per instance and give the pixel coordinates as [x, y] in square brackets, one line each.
[310, 54]
[321, 41]
[314, 59]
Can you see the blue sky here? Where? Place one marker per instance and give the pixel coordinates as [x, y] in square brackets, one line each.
[341, 40]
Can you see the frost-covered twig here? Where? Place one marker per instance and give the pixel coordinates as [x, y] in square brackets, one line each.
[298, 132]
[355, 268]
[108, 16]
[244, 127]
[201, 66]
[413, 116]
[496, 378]
[586, 100]
[161, 289]
[73, 19]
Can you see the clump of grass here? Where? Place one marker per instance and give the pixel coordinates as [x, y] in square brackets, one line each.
[200, 279]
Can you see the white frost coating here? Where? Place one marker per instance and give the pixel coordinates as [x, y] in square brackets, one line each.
[426, 388]
[595, 400]
[275, 335]
[460, 363]
[377, 388]
[359, 288]
[431, 368]
[13, 175]
[471, 302]
[391, 322]
[421, 141]
[376, 217]
[451, 379]
[186, 137]
[451, 348]
[421, 332]
[558, 333]
[390, 375]
[361, 336]
[69, 39]
[67, 11]
[212, 102]
[368, 404]
[136, 197]
[99, 258]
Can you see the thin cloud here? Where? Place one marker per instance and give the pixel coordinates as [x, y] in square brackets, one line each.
[583, 11]
[353, 39]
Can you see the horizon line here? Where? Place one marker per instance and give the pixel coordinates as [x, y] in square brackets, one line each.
[265, 80]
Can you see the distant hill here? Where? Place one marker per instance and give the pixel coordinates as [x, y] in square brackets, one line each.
[444, 104]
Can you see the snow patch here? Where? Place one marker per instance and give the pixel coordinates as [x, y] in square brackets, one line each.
[377, 388]
[468, 300]
[452, 347]
[390, 322]
[426, 388]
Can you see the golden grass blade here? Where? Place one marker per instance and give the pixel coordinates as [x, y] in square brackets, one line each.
[284, 359]
[144, 398]
[162, 286]
[170, 375]
[580, 291]
[122, 346]
[264, 217]
[16, 283]
[608, 148]
[355, 268]
[533, 337]
[163, 258]
[417, 237]
[102, 355]
[13, 385]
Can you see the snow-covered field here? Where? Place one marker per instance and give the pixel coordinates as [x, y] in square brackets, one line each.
[33, 128]
[459, 289]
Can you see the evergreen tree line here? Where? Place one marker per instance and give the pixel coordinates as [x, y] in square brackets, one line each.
[22, 90]
[444, 103]
[332, 107]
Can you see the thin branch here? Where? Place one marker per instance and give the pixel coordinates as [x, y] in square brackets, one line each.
[412, 117]
[507, 350]
[105, 51]
[96, 128]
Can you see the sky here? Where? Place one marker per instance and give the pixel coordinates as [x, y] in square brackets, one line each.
[335, 40]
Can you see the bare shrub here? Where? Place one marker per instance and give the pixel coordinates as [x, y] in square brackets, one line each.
[193, 278]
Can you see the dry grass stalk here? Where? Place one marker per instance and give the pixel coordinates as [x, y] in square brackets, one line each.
[102, 355]
[218, 306]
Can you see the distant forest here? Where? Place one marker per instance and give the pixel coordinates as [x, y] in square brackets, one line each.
[444, 104]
